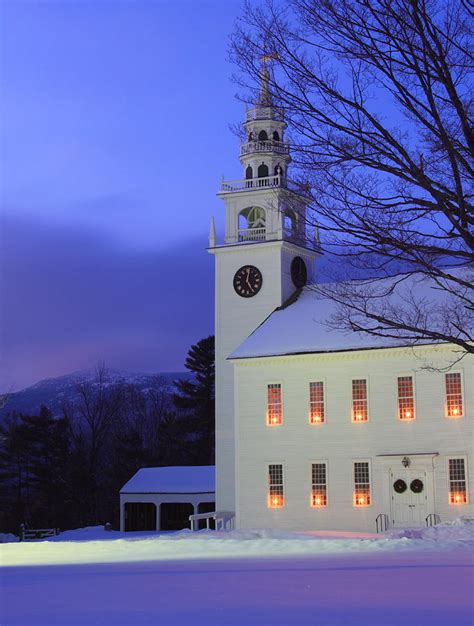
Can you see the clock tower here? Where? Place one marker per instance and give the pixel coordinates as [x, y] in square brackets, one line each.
[264, 257]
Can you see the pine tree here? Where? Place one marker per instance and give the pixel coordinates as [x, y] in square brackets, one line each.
[197, 397]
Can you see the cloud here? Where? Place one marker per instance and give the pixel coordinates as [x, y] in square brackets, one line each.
[70, 297]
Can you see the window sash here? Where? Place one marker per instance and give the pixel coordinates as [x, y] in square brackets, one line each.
[275, 486]
[359, 400]
[274, 405]
[362, 493]
[453, 395]
[316, 403]
[457, 481]
[318, 485]
[406, 398]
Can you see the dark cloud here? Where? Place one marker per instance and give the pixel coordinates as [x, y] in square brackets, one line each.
[70, 298]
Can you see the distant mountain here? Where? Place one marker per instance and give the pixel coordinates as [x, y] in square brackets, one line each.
[53, 392]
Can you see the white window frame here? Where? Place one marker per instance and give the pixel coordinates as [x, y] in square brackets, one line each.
[463, 398]
[311, 504]
[267, 469]
[267, 422]
[354, 491]
[323, 381]
[354, 421]
[466, 478]
[412, 376]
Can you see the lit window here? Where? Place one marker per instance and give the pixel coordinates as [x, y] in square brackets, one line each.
[454, 403]
[318, 485]
[406, 399]
[275, 486]
[274, 407]
[316, 403]
[361, 484]
[359, 400]
[457, 482]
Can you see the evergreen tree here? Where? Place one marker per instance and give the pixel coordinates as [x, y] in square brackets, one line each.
[197, 398]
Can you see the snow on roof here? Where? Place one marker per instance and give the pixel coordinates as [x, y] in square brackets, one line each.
[184, 479]
[304, 325]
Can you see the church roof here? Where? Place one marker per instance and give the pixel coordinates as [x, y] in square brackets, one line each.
[309, 323]
[179, 479]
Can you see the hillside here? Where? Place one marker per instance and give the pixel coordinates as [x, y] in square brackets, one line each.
[53, 392]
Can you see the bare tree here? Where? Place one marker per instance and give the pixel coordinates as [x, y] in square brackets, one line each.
[377, 94]
[99, 404]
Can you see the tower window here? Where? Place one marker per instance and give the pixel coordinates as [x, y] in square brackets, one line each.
[276, 136]
[318, 485]
[406, 398]
[359, 400]
[262, 135]
[362, 496]
[454, 399]
[316, 403]
[262, 170]
[274, 405]
[457, 481]
[250, 136]
[249, 172]
[275, 486]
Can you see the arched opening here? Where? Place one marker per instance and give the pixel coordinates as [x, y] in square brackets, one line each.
[278, 171]
[262, 135]
[254, 217]
[250, 136]
[249, 172]
[262, 171]
[276, 136]
[252, 224]
[289, 223]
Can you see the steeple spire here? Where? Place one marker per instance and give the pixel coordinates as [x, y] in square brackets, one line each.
[264, 95]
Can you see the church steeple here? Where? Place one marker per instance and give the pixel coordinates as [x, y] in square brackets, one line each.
[264, 204]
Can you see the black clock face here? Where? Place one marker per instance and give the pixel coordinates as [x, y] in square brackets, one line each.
[248, 281]
[299, 274]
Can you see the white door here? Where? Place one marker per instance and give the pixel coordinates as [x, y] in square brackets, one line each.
[410, 494]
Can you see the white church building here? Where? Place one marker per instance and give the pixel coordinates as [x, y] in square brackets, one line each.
[317, 429]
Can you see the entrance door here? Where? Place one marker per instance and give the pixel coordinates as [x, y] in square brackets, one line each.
[409, 496]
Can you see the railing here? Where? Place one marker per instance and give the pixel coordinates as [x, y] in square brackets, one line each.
[264, 146]
[432, 519]
[36, 533]
[252, 234]
[252, 183]
[381, 522]
[222, 518]
[264, 113]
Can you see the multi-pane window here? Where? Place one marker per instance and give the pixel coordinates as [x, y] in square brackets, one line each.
[316, 402]
[275, 486]
[274, 405]
[457, 481]
[361, 483]
[359, 400]
[454, 403]
[318, 485]
[406, 398]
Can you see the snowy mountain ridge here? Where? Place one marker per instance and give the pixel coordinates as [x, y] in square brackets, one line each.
[53, 392]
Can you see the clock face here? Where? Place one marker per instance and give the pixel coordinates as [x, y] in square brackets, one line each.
[248, 281]
[299, 273]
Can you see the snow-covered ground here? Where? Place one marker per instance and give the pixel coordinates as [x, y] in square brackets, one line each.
[241, 578]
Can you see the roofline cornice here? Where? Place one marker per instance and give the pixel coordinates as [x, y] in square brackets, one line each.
[347, 354]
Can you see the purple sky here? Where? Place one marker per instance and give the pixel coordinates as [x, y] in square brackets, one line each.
[114, 132]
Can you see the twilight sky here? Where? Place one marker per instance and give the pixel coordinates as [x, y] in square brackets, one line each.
[114, 132]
